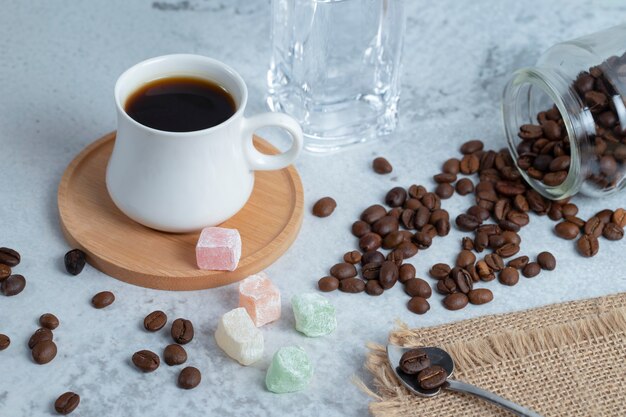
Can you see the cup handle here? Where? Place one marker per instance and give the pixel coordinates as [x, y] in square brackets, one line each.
[261, 162]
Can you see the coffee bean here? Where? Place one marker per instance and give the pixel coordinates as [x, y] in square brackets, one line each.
[74, 261]
[472, 146]
[509, 276]
[467, 222]
[577, 221]
[385, 225]
[417, 191]
[352, 257]
[417, 287]
[470, 164]
[468, 244]
[547, 261]
[422, 240]
[430, 230]
[11, 257]
[343, 270]
[324, 207]
[431, 201]
[464, 186]
[182, 331]
[444, 191]
[352, 285]
[412, 204]
[455, 301]
[593, 227]
[619, 217]
[612, 231]
[444, 177]
[530, 131]
[5, 341]
[5, 272]
[511, 237]
[432, 377]
[328, 284]
[489, 229]
[446, 286]
[480, 296]
[370, 242]
[189, 378]
[49, 321]
[567, 230]
[373, 288]
[407, 218]
[373, 213]
[604, 215]
[462, 279]
[388, 275]
[381, 166]
[588, 245]
[418, 305]
[518, 263]
[569, 209]
[372, 257]
[507, 250]
[406, 249]
[155, 321]
[359, 228]
[371, 270]
[406, 272]
[413, 361]
[465, 258]
[495, 262]
[13, 285]
[66, 403]
[451, 166]
[484, 272]
[532, 269]
[146, 360]
[40, 335]
[44, 351]
[396, 197]
[174, 355]
[103, 299]
[439, 271]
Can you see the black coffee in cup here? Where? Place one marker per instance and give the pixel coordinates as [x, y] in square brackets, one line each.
[180, 104]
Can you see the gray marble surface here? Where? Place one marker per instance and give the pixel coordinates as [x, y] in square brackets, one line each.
[58, 63]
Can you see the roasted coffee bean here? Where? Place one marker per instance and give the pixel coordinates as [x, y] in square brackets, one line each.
[146, 360]
[588, 246]
[569, 209]
[547, 261]
[462, 279]
[13, 285]
[396, 257]
[40, 335]
[155, 321]
[479, 213]
[481, 241]
[489, 229]
[388, 275]
[5, 272]
[182, 331]
[444, 177]
[480, 296]
[407, 218]
[49, 321]
[464, 186]
[520, 203]
[396, 197]
[324, 207]
[510, 189]
[555, 213]
[9, 257]
[446, 286]
[577, 221]
[343, 270]
[612, 231]
[530, 131]
[554, 179]
[432, 377]
[381, 166]
[413, 361]
[605, 215]
[593, 227]
[444, 190]
[467, 222]
[465, 258]
[473, 272]
[511, 237]
[472, 146]
[495, 262]
[518, 263]
[508, 225]
[560, 163]
[532, 269]
[352, 285]
[372, 257]
[103, 299]
[417, 287]
[470, 164]
[509, 276]
[421, 217]
[328, 284]
[416, 191]
[501, 208]
[443, 227]
[74, 261]
[430, 230]
[507, 250]
[437, 215]
[418, 305]
[455, 301]
[431, 201]
[521, 219]
[5, 341]
[385, 225]
[174, 355]
[406, 249]
[412, 204]
[468, 244]
[352, 257]
[406, 272]
[189, 378]
[359, 228]
[536, 202]
[373, 213]
[370, 242]
[422, 240]
[452, 166]
[567, 230]
[439, 271]
[371, 270]
[619, 217]
[373, 287]
[395, 212]
[44, 351]
[67, 403]
[484, 272]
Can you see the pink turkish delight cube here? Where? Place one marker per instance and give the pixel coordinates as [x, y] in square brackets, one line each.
[261, 299]
[218, 249]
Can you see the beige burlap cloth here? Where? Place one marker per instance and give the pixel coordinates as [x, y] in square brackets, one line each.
[562, 360]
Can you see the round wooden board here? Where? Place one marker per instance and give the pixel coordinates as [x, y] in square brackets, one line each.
[126, 250]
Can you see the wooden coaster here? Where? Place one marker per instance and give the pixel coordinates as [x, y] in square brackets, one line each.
[126, 250]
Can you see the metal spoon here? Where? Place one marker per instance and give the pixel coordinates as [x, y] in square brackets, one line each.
[442, 358]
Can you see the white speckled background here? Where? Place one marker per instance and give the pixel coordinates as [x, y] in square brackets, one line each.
[58, 63]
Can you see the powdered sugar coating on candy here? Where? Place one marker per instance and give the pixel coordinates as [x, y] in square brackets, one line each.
[315, 315]
[238, 337]
[218, 249]
[289, 371]
[261, 298]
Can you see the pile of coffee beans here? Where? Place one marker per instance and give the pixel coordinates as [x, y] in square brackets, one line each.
[10, 284]
[413, 218]
[544, 152]
[428, 376]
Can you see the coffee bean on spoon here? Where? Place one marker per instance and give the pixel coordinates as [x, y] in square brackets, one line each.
[146, 361]
[9, 257]
[381, 166]
[67, 403]
[432, 377]
[13, 285]
[74, 261]
[49, 321]
[413, 361]
[103, 299]
[324, 207]
[155, 321]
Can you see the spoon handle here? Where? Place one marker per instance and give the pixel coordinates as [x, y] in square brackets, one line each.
[518, 410]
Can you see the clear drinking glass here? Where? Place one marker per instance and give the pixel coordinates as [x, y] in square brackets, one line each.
[335, 67]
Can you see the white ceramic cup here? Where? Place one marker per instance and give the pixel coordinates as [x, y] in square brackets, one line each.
[184, 181]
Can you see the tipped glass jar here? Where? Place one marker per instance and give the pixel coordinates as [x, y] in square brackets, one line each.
[565, 118]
